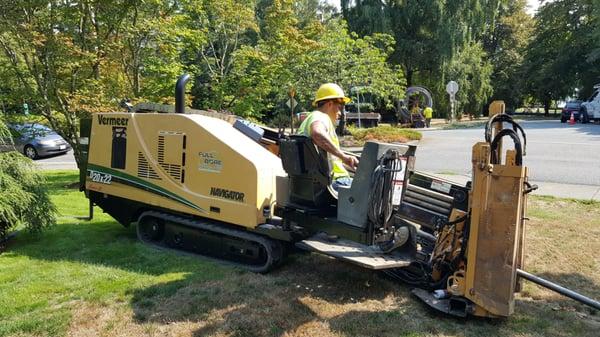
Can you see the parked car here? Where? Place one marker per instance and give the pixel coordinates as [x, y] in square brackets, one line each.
[36, 140]
[570, 107]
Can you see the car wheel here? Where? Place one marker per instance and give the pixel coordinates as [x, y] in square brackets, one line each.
[30, 152]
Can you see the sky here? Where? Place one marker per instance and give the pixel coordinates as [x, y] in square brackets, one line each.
[531, 4]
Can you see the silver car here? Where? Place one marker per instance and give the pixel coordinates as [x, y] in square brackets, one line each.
[36, 140]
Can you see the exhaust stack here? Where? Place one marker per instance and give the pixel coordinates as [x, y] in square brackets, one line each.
[180, 93]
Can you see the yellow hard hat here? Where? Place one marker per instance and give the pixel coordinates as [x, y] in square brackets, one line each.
[330, 91]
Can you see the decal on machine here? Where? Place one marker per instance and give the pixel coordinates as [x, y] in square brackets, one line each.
[115, 121]
[440, 186]
[227, 194]
[210, 162]
[103, 178]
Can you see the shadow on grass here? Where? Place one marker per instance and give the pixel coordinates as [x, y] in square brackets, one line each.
[314, 295]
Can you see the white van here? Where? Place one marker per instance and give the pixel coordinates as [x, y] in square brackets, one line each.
[590, 109]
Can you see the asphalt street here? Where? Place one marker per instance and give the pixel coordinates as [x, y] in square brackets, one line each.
[556, 152]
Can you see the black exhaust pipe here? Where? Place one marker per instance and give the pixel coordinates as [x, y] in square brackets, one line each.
[180, 93]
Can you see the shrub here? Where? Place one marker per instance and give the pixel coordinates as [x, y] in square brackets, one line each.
[384, 133]
[24, 200]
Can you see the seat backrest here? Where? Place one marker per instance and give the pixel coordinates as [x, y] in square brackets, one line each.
[353, 201]
[308, 169]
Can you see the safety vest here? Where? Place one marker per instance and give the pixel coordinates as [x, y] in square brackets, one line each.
[428, 112]
[335, 163]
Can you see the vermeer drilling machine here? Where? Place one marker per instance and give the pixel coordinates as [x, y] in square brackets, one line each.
[217, 186]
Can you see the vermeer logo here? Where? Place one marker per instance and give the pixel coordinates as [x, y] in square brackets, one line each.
[227, 194]
[112, 120]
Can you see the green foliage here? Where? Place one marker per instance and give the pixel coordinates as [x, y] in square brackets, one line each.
[506, 46]
[288, 57]
[24, 199]
[430, 37]
[472, 71]
[558, 58]
[4, 132]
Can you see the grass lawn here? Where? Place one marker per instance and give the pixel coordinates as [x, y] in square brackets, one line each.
[94, 279]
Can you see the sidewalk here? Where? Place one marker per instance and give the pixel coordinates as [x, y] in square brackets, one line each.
[559, 190]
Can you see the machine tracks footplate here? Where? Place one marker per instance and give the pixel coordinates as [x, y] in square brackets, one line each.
[353, 252]
[209, 239]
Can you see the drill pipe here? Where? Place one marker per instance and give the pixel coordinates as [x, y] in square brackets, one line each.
[561, 290]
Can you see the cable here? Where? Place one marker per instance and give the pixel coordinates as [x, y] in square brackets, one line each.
[381, 191]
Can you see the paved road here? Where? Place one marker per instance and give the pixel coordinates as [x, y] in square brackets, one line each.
[61, 162]
[556, 152]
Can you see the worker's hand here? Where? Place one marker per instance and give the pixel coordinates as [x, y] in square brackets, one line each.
[350, 161]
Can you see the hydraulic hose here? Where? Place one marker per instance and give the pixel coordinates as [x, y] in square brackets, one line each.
[382, 191]
[494, 146]
[501, 118]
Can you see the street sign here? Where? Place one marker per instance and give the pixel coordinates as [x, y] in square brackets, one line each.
[291, 103]
[26, 108]
[452, 88]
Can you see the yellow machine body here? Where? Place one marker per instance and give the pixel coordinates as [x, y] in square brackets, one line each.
[158, 161]
[487, 275]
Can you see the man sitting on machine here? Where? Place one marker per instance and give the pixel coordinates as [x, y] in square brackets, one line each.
[319, 126]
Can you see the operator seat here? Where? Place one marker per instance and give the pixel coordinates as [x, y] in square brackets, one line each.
[308, 169]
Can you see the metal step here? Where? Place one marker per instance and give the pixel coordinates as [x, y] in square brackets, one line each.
[356, 253]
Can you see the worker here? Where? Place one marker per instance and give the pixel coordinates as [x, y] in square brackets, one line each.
[428, 112]
[319, 125]
[416, 109]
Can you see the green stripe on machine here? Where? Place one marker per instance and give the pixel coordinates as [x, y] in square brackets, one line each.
[130, 180]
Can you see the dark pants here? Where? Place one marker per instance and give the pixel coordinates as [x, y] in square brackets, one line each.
[427, 121]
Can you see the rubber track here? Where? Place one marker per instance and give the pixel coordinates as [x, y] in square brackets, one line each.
[273, 248]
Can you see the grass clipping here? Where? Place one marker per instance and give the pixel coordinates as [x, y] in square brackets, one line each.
[383, 133]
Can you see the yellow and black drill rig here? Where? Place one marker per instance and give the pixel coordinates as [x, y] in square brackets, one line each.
[221, 187]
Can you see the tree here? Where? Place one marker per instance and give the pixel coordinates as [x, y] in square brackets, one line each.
[472, 71]
[429, 35]
[56, 51]
[227, 26]
[557, 58]
[72, 58]
[24, 200]
[506, 46]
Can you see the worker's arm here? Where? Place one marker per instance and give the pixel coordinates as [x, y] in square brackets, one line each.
[321, 139]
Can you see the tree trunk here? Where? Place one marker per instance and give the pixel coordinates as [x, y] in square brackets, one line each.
[547, 107]
[409, 77]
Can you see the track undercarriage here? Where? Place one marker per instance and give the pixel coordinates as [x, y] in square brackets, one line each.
[211, 239]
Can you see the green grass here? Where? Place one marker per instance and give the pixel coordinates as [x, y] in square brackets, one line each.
[94, 278]
[98, 262]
